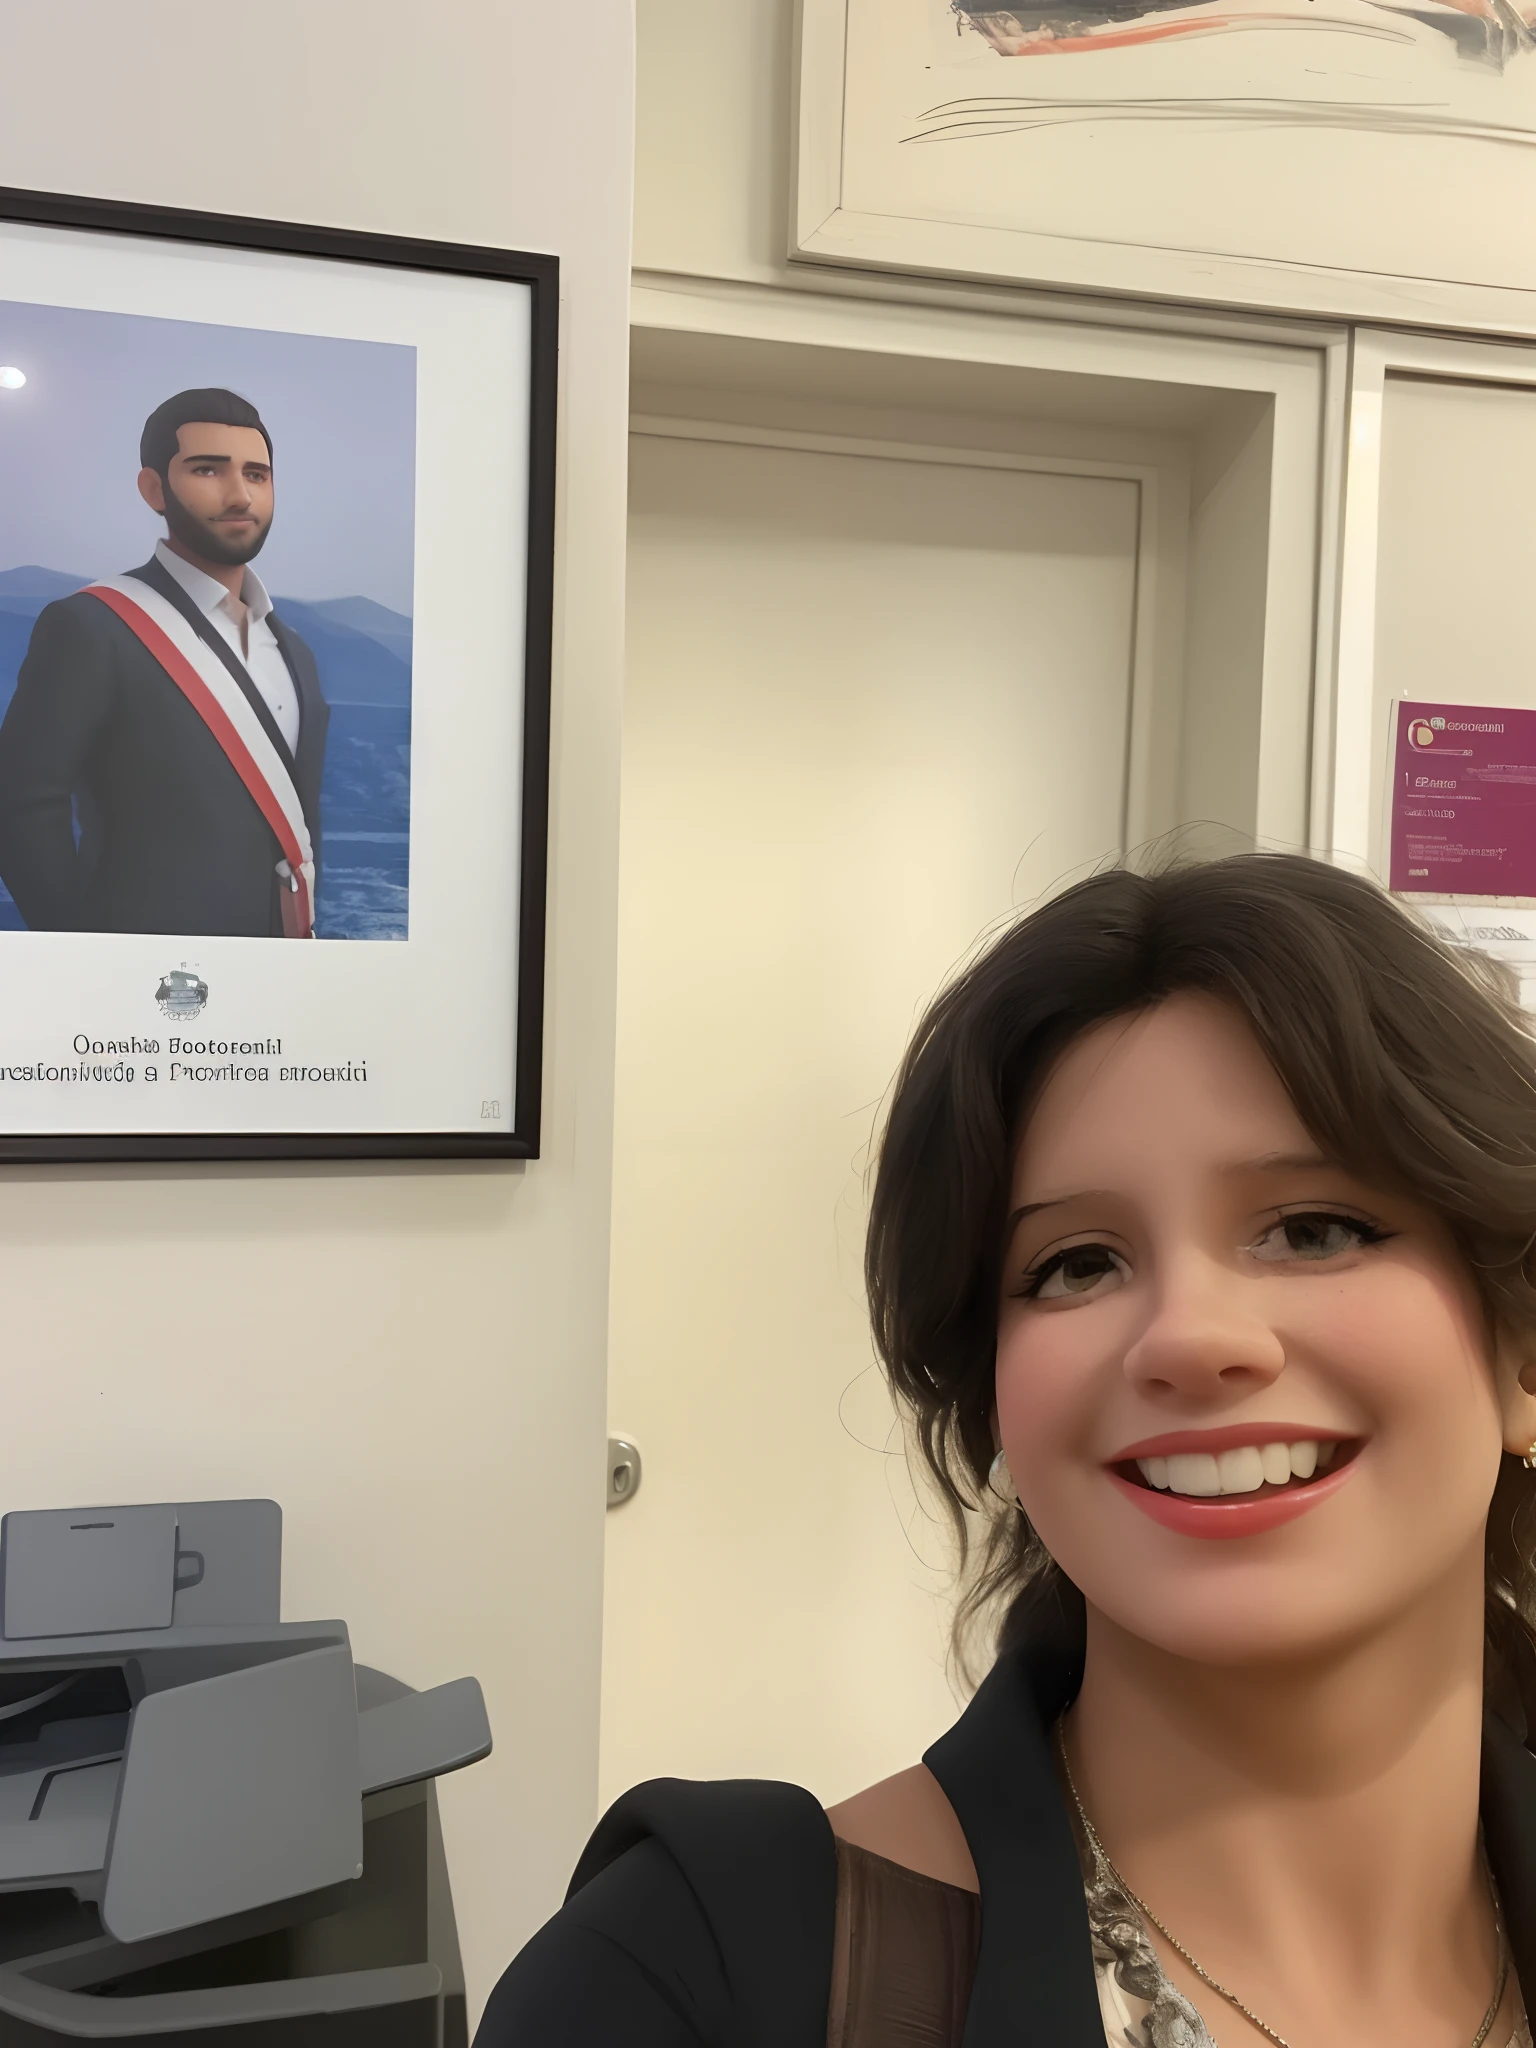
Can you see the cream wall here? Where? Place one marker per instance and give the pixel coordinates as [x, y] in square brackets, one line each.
[410, 1359]
[712, 137]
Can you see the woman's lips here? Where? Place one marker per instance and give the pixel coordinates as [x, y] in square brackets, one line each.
[1248, 1513]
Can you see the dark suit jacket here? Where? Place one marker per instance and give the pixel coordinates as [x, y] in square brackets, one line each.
[702, 1915]
[170, 840]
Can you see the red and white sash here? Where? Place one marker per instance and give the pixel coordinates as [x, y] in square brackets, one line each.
[224, 708]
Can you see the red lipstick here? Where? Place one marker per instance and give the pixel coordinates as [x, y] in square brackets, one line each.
[1233, 1514]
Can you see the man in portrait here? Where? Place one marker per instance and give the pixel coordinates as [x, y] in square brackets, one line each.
[160, 761]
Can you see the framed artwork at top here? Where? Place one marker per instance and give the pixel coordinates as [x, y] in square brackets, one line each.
[1361, 159]
[276, 571]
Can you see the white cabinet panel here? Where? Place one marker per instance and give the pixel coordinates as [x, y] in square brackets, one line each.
[1440, 533]
[1457, 544]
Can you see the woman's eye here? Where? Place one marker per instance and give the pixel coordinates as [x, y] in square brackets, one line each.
[1081, 1269]
[1316, 1234]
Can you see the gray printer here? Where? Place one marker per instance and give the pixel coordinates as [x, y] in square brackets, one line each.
[214, 1827]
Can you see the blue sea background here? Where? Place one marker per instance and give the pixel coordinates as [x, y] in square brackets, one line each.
[339, 561]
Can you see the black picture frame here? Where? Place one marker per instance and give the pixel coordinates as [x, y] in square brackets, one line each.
[541, 274]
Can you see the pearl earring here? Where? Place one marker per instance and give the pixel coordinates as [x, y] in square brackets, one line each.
[1000, 1479]
[1529, 1460]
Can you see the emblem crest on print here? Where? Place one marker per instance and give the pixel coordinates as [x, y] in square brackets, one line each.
[181, 993]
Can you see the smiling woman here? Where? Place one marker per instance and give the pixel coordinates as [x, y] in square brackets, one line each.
[1229, 1284]
[1269, 1066]
[1198, 1255]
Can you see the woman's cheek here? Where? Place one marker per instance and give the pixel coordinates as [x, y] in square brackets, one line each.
[1407, 1344]
[1048, 1398]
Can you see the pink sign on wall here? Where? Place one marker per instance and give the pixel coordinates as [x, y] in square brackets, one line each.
[1463, 800]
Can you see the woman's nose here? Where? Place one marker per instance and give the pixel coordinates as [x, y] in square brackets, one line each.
[1204, 1337]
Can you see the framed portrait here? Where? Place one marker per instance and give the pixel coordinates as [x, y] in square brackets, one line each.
[1336, 158]
[276, 566]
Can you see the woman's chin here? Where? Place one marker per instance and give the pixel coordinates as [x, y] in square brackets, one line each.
[1302, 1619]
[1243, 1648]
[1262, 1622]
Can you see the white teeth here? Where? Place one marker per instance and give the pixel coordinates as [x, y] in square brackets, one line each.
[1241, 1471]
[1194, 1472]
[1245, 1470]
[1276, 1459]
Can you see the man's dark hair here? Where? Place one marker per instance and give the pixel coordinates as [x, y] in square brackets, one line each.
[158, 443]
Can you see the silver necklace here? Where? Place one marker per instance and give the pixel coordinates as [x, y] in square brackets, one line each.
[1102, 1854]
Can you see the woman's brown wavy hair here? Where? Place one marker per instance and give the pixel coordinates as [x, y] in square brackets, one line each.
[1408, 1061]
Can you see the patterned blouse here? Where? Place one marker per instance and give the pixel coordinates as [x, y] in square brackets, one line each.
[1141, 2008]
[904, 1955]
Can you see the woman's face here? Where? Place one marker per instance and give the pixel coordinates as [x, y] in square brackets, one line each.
[1248, 1401]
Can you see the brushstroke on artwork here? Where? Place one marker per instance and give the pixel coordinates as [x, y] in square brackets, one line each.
[1486, 32]
[958, 120]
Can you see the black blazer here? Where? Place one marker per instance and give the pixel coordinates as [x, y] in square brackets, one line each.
[170, 840]
[701, 1915]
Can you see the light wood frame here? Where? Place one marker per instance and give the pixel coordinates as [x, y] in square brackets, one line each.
[823, 230]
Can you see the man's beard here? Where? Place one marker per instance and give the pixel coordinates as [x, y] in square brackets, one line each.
[204, 537]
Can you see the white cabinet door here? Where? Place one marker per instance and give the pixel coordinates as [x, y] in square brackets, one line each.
[1439, 539]
[873, 705]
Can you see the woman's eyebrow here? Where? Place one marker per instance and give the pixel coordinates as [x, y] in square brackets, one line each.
[1055, 1202]
[1269, 1162]
[1282, 1162]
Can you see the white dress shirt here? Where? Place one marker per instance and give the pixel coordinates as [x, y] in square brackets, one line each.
[262, 656]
